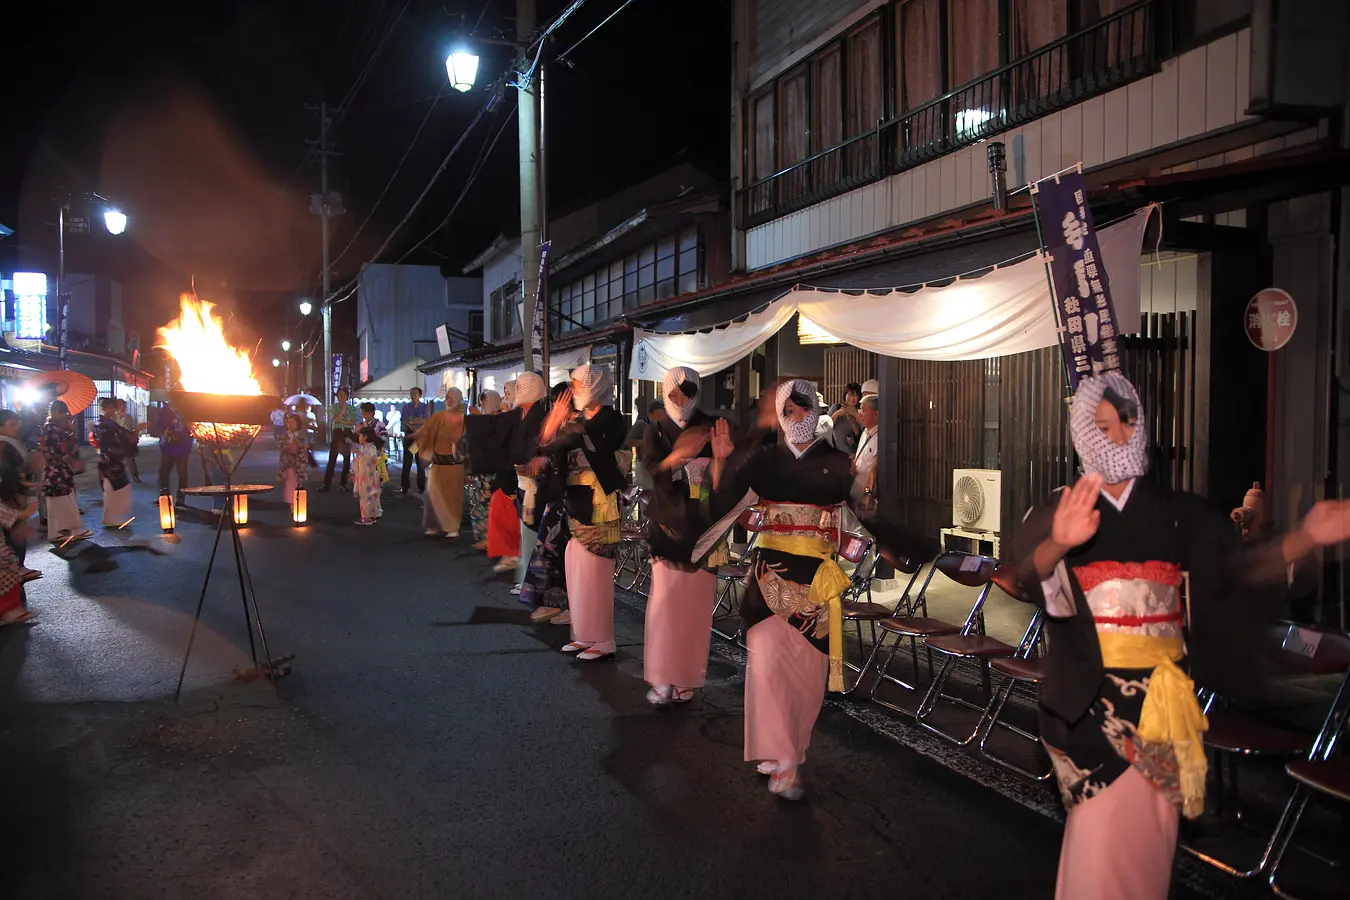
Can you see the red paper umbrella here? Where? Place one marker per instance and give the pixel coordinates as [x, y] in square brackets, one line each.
[75, 390]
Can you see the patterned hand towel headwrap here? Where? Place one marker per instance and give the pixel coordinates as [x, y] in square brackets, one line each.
[1098, 453]
[802, 394]
[530, 388]
[591, 384]
[492, 402]
[683, 382]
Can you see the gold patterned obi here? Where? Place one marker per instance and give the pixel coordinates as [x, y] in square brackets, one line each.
[802, 520]
[604, 507]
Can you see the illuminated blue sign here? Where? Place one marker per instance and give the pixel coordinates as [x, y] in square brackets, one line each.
[30, 306]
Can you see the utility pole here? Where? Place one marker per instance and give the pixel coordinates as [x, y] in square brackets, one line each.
[325, 205]
[544, 302]
[527, 121]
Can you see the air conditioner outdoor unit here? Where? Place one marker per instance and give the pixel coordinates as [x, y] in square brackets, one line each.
[975, 499]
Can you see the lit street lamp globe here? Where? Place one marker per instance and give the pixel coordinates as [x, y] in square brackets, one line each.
[285, 346]
[115, 221]
[276, 363]
[306, 307]
[462, 68]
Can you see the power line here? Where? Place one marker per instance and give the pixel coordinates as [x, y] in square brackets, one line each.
[562, 57]
[398, 168]
[369, 66]
[483, 110]
[473, 176]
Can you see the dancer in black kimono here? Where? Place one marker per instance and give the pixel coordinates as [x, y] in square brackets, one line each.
[1119, 715]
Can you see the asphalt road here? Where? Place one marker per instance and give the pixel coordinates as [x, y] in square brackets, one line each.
[430, 743]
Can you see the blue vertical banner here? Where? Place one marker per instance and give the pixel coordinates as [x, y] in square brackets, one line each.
[1082, 292]
[540, 319]
[337, 373]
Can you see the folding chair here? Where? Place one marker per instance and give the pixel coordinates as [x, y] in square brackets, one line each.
[1301, 651]
[1026, 667]
[1323, 772]
[728, 576]
[856, 548]
[874, 613]
[966, 569]
[975, 646]
[629, 564]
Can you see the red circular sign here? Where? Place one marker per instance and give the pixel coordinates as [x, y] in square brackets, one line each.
[1270, 319]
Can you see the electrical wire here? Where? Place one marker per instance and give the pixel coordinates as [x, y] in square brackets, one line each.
[562, 57]
[473, 176]
[483, 110]
[369, 66]
[388, 184]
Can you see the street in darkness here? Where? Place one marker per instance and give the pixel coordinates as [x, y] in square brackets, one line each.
[430, 742]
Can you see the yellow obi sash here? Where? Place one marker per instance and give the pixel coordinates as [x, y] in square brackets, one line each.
[1171, 713]
[826, 588]
[604, 507]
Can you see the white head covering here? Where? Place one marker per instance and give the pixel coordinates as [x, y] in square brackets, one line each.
[530, 388]
[870, 387]
[454, 400]
[592, 385]
[804, 431]
[492, 402]
[1100, 454]
[679, 412]
[509, 394]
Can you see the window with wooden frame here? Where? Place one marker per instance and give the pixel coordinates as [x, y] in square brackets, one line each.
[973, 52]
[1035, 23]
[794, 129]
[827, 114]
[865, 98]
[919, 76]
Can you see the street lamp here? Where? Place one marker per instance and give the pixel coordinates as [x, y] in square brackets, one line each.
[285, 346]
[115, 221]
[306, 307]
[462, 68]
[276, 363]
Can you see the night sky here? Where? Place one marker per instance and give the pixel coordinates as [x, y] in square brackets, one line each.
[192, 117]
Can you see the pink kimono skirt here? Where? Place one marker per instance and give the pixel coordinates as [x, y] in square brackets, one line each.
[679, 626]
[784, 688]
[1119, 844]
[590, 594]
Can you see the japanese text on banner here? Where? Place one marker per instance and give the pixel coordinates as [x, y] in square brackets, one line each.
[1087, 318]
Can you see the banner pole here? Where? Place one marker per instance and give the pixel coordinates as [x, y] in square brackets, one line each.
[1054, 298]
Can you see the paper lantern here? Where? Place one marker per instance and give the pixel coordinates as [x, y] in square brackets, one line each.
[168, 518]
[300, 508]
[241, 509]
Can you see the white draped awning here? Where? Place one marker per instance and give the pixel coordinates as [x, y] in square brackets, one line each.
[560, 366]
[1006, 310]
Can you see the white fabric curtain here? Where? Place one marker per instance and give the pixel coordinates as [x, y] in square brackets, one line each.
[1006, 311]
[560, 366]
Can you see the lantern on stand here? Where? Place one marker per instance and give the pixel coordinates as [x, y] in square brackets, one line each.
[241, 509]
[300, 507]
[168, 518]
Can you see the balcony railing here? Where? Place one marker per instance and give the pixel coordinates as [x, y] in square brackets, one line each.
[1113, 51]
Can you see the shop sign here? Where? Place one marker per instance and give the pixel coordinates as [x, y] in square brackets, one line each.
[30, 306]
[1270, 319]
[1087, 317]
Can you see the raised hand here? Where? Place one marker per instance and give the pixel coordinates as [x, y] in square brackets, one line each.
[1328, 522]
[722, 445]
[1076, 515]
[557, 417]
[688, 445]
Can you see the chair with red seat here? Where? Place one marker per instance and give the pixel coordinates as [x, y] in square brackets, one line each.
[875, 613]
[968, 570]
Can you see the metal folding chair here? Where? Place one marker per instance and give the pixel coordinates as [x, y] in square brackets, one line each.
[969, 570]
[1026, 667]
[729, 576]
[974, 645]
[857, 548]
[632, 566]
[1301, 651]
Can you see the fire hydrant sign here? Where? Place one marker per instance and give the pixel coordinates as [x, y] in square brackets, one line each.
[1270, 319]
[1087, 318]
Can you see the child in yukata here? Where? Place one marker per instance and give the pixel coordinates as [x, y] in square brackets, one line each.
[294, 460]
[16, 509]
[366, 468]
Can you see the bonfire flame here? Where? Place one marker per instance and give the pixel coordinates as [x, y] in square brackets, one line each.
[208, 364]
[206, 361]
